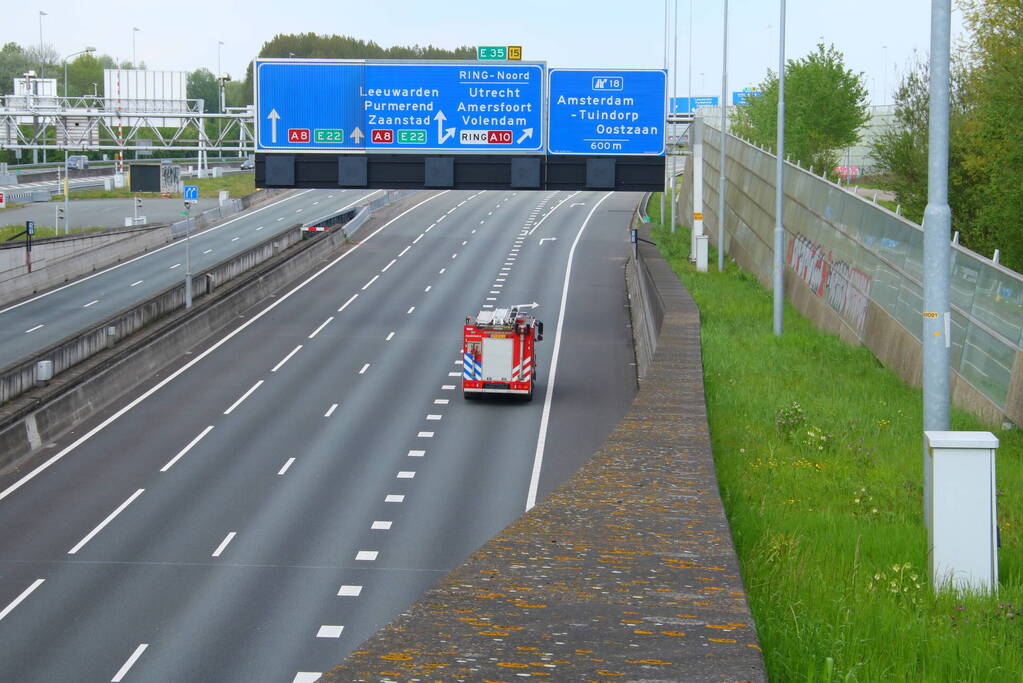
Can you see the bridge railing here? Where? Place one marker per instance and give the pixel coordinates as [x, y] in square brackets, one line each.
[856, 268]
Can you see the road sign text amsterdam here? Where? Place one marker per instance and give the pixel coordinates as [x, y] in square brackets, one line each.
[338, 106]
[607, 112]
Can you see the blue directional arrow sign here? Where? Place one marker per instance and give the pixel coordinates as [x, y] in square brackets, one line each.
[619, 112]
[191, 193]
[339, 106]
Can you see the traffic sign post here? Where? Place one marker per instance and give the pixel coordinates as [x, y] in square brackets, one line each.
[332, 106]
[606, 112]
[191, 193]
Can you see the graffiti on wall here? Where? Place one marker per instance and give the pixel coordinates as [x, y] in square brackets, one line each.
[842, 286]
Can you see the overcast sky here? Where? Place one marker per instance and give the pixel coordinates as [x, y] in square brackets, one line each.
[184, 34]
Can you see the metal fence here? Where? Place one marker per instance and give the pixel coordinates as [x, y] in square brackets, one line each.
[849, 251]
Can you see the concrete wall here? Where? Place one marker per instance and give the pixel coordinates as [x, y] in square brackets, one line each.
[853, 268]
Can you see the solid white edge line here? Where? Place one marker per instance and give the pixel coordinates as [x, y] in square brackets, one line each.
[247, 394]
[187, 366]
[172, 244]
[275, 368]
[223, 544]
[126, 667]
[18, 600]
[280, 473]
[541, 439]
[322, 325]
[187, 448]
[102, 525]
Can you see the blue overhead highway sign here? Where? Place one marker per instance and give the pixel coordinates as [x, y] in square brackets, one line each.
[689, 105]
[619, 112]
[361, 106]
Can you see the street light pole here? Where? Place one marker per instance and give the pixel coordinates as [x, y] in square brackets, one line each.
[674, 96]
[779, 188]
[134, 59]
[664, 190]
[41, 64]
[724, 142]
[74, 54]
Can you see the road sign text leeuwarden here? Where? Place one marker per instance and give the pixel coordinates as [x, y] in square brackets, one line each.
[607, 112]
[392, 106]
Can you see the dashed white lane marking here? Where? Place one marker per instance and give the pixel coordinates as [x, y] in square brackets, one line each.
[103, 524]
[441, 271]
[191, 444]
[384, 269]
[364, 369]
[176, 265]
[416, 454]
[139, 282]
[454, 374]
[345, 304]
[491, 213]
[458, 362]
[404, 251]
[381, 525]
[284, 360]
[235, 239]
[462, 202]
[418, 238]
[315, 203]
[366, 286]
[330, 631]
[366, 555]
[455, 255]
[243, 397]
[207, 251]
[350, 590]
[21, 598]
[223, 544]
[428, 288]
[330, 410]
[389, 337]
[451, 210]
[474, 231]
[505, 269]
[448, 387]
[394, 498]
[425, 435]
[497, 287]
[491, 298]
[307, 677]
[410, 309]
[440, 401]
[280, 219]
[501, 279]
[298, 210]
[482, 222]
[434, 417]
[94, 301]
[488, 305]
[406, 475]
[322, 325]
[287, 464]
[465, 242]
[259, 228]
[126, 667]
[494, 291]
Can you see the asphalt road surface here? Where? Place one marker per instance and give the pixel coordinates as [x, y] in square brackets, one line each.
[266, 505]
[108, 213]
[45, 319]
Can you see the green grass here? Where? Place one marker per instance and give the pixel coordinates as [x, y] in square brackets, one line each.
[238, 184]
[7, 232]
[825, 499]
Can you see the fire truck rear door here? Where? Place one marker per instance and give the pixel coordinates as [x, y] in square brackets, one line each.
[497, 358]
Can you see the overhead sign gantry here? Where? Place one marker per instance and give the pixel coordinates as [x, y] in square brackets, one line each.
[457, 124]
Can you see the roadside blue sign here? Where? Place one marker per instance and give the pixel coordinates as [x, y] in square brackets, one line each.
[743, 97]
[607, 112]
[689, 105]
[361, 106]
[191, 193]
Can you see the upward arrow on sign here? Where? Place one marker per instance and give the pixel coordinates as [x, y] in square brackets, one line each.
[443, 136]
[273, 116]
[357, 135]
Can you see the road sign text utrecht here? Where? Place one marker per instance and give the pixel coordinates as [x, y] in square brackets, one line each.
[607, 112]
[338, 106]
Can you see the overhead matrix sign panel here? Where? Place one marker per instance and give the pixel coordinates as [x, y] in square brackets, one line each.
[393, 107]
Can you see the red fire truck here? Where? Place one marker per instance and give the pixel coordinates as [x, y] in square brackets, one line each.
[497, 353]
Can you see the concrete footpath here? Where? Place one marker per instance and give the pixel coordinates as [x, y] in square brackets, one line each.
[627, 572]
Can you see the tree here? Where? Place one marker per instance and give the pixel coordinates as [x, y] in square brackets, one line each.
[825, 107]
[82, 72]
[992, 132]
[202, 84]
[13, 63]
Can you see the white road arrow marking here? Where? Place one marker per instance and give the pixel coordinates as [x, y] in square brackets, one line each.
[442, 135]
[526, 133]
[273, 116]
[544, 239]
[578, 203]
[357, 135]
[532, 305]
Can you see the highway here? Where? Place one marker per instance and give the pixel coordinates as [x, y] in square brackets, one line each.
[263, 506]
[44, 319]
[88, 213]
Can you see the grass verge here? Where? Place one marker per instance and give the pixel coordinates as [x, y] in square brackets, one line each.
[7, 232]
[238, 184]
[818, 454]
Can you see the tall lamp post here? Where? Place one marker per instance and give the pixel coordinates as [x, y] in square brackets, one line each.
[41, 64]
[134, 60]
[74, 54]
[779, 188]
[724, 143]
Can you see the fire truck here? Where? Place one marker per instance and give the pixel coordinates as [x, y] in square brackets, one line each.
[497, 353]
